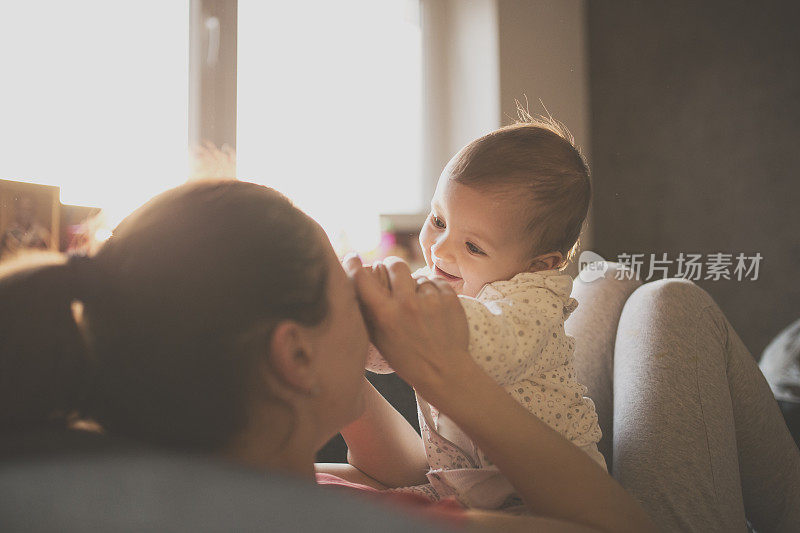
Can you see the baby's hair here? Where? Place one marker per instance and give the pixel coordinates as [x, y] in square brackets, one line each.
[536, 155]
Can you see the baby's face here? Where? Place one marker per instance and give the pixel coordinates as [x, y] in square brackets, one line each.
[472, 238]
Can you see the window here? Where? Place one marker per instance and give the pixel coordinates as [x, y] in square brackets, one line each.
[94, 98]
[329, 109]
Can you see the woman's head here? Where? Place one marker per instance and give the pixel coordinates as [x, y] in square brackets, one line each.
[207, 301]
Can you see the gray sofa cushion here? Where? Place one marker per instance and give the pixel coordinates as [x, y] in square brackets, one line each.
[153, 492]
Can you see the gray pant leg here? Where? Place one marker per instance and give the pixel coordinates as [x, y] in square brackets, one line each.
[594, 326]
[692, 411]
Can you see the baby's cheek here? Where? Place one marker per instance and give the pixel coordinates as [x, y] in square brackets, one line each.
[470, 288]
[425, 244]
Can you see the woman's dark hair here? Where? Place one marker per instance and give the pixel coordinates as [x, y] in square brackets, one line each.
[168, 303]
[43, 363]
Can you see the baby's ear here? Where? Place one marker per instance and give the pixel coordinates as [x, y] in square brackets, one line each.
[549, 261]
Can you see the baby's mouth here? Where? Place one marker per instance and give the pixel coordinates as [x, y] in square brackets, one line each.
[445, 275]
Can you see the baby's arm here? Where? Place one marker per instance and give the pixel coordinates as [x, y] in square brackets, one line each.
[507, 335]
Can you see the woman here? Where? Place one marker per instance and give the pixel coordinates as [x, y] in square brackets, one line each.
[217, 319]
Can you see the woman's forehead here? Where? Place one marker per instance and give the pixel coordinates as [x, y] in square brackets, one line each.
[338, 280]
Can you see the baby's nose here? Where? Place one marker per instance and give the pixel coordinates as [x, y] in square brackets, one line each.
[442, 249]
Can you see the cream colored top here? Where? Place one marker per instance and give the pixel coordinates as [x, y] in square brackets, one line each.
[516, 334]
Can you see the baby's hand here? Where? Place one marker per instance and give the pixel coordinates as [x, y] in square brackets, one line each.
[419, 326]
[423, 272]
[376, 270]
[380, 273]
[375, 361]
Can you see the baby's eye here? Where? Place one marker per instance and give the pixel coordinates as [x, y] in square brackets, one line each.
[436, 221]
[474, 249]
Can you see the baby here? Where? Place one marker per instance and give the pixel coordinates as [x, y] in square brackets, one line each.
[505, 218]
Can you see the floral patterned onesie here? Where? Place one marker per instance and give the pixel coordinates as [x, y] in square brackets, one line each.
[517, 336]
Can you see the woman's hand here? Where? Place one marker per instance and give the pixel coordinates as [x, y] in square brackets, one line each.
[418, 325]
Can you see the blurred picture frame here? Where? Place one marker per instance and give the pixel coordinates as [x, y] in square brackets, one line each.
[400, 237]
[29, 217]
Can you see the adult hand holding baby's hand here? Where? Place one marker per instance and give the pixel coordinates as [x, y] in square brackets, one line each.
[375, 361]
[418, 325]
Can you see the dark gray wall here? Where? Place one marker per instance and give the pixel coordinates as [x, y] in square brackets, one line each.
[696, 142]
